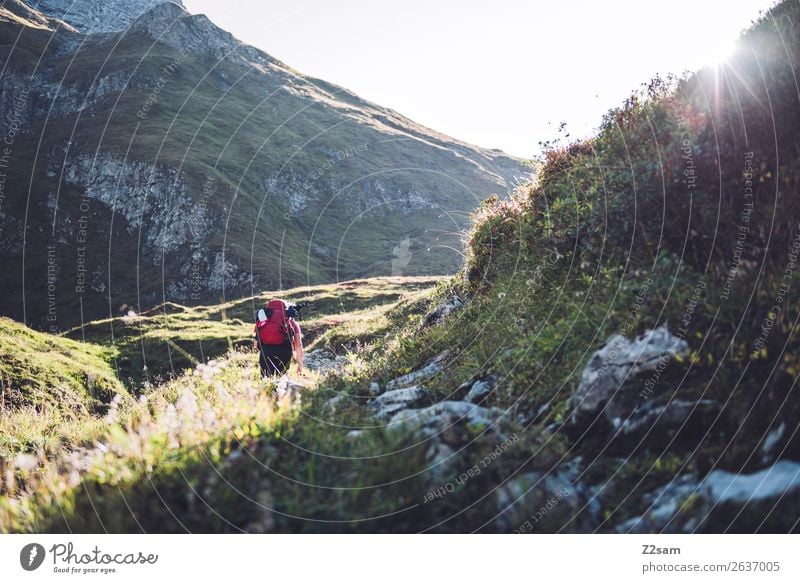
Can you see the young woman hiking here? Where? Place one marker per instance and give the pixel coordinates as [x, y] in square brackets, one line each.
[278, 335]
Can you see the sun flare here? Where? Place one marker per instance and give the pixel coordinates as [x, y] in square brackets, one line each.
[718, 52]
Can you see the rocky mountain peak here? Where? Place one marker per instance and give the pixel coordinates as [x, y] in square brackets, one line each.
[171, 24]
[95, 16]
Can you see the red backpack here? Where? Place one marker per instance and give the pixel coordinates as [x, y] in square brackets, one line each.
[275, 329]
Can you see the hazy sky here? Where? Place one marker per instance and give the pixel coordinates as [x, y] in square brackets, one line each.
[496, 73]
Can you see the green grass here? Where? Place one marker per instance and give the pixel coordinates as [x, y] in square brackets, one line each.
[42, 369]
[161, 342]
[51, 389]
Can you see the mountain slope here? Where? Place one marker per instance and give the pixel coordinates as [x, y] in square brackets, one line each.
[169, 162]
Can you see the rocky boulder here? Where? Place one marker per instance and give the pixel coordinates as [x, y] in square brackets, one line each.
[422, 375]
[763, 501]
[443, 310]
[391, 402]
[442, 428]
[663, 506]
[620, 376]
[287, 388]
[444, 414]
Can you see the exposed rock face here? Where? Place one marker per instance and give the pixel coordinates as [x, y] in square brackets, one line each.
[152, 198]
[764, 501]
[615, 381]
[386, 405]
[96, 16]
[172, 25]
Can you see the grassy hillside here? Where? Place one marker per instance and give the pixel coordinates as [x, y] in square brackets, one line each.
[170, 162]
[158, 344]
[680, 214]
[48, 387]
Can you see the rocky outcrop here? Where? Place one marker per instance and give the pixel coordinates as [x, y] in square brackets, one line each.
[289, 389]
[663, 505]
[443, 414]
[448, 426]
[781, 479]
[171, 24]
[385, 406]
[677, 423]
[763, 501]
[98, 16]
[480, 390]
[620, 376]
[151, 197]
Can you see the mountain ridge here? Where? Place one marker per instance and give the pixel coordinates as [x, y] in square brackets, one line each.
[98, 16]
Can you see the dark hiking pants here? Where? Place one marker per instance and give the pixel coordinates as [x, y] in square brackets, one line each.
[274, 359]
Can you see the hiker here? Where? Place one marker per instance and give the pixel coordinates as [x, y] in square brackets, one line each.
[278, 335]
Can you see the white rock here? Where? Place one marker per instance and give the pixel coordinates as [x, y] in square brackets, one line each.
[781, 479]
[288, 388]
[446, 412]
[390, 402]
[611, 381]
[421, 375]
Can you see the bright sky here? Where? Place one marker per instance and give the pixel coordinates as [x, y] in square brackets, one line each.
[496, 73]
